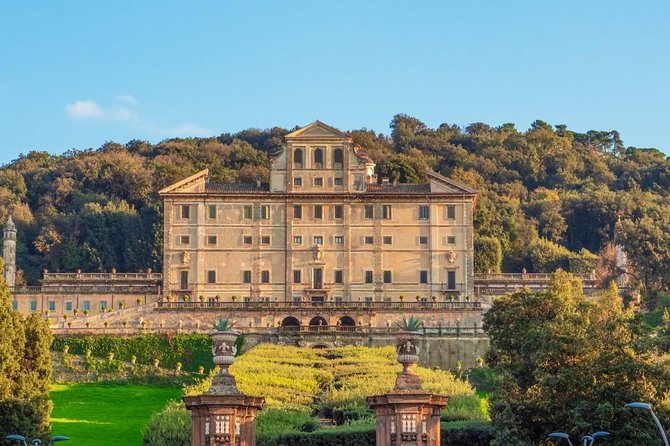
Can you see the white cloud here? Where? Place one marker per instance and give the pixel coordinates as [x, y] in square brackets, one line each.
[127, 98]
[86, 109]
[188, 129]
[122, 114]
[123, 111]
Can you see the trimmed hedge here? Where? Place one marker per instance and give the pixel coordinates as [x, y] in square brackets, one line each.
[475, 435]
[192, 350]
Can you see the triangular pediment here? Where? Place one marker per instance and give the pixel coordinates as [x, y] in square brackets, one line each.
[442, 184]
[194, 183]
[317, 129]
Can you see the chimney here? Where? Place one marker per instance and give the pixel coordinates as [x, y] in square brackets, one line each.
[258, 181]
[395, 183]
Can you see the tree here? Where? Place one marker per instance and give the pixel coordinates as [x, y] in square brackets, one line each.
[25, 371]
[570, 364]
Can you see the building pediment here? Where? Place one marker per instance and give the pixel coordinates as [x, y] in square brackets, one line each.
[194, 183]
[317, 130]
[442, 184]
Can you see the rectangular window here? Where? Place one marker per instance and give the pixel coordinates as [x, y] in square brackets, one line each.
[338, 181]
[265, 212]
[184, 239]
[297, 239]
[52, 305]
[318, 181]
[338, 276]
[247, 239]
[388, 277]
[369, 211]
[451, 240]
[369, 240]
[265, 276]
[297, 211]
[186, 211]
[102, 305]
[423, 276]
[68, 305]
[368, 276]
[318, 211]
[424, 212]
[265, 240]
[339, 239]
[183, 280]
[86, 305]
[15, 304]
[211, 240]
[423, 240]
[246, 276]
[388, 240]
[211, 211]
[451, 212]
[338, 211]
[386, 212]
[297, 181]
[211, 276]
[248, 212]
[451, 280]
[318, 240]
[297, 276]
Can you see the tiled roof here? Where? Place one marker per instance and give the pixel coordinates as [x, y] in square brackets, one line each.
[398, 188]
[249, 188]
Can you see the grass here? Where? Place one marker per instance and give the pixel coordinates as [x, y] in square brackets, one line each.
[106, 414]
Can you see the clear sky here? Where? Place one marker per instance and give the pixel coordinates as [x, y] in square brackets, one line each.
[74, 74]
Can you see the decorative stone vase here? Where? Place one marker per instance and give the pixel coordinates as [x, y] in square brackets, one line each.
[224, 351]
[408, 346]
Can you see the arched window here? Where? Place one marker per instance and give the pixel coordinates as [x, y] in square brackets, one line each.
[297, 157]
[318, 157]
[338, 158]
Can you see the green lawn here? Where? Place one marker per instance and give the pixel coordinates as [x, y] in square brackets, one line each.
[106, 414]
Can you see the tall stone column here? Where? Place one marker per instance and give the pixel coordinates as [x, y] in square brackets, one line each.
[223, 416]
[9, 252]
[408, 415]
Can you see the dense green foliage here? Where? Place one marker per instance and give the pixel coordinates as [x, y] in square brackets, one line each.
[192, 350]
[547, 188]
[25, 371]
[107, 414]
[170, 426]
[566, 363]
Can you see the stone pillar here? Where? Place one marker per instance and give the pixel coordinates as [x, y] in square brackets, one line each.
[9, 252]
[223, 416]
[408, 416]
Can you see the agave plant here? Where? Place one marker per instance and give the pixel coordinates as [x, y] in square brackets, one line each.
[224, 324]
[411, 324]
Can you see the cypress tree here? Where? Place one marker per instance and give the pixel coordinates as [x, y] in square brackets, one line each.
[25, 371]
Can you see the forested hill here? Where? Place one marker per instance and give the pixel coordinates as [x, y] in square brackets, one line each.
[549, 197]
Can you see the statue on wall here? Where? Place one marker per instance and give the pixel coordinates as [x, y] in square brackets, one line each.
[451, 257]
[317, 252]
[185, 257]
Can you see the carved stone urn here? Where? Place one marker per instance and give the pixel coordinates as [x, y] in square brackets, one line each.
[224, 351]
[408, 346]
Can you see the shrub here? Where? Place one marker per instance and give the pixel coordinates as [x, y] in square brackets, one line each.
[192, 350]
[471, 435]
[171, 426]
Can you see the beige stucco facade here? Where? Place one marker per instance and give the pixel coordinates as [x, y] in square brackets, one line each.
[323, 229]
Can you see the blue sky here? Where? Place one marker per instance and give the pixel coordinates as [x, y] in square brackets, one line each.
[74, 74]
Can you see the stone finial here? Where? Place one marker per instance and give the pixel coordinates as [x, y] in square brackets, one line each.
[408, 348]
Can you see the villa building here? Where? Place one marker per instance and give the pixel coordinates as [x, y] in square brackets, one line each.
[323, 229]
